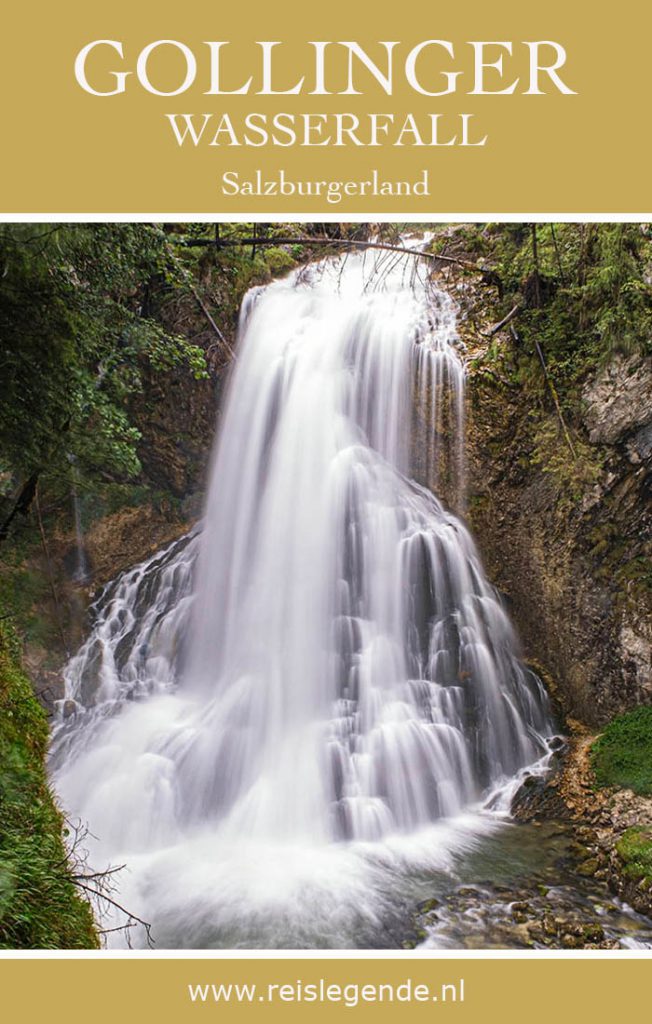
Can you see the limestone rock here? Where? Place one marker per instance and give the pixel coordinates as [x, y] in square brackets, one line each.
[619, 400]
[636, 647]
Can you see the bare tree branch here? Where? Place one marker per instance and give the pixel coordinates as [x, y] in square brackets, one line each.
[118, 906]
[555, 398]
[503, 323]
[99, 885]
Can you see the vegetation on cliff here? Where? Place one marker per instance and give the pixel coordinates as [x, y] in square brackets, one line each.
[76, 331]
[557, 319]
[40, 907]
[89, 314]
[113, 341]
[561, 488]
[573, 298]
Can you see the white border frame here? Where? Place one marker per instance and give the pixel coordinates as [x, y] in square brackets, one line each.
[326, 217]
[408, 956]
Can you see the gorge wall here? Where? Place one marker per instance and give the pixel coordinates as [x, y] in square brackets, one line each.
[564, 523]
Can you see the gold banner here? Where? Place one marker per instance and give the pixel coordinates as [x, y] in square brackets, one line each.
[454, 991]
[499, 133]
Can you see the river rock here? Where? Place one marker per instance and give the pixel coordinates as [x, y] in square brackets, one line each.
[588, 867]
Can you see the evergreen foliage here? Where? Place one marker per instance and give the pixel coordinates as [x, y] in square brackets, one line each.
[74, 335]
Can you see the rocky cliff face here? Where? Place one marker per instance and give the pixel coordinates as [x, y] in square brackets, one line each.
[618, 406]
[570, 549]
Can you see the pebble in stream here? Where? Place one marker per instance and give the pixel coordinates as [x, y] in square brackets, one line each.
[557, 906]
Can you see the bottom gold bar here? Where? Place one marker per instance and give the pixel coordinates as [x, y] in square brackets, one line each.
[451, 990]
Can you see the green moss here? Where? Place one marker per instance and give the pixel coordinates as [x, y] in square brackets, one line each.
[573, 474]
[634, 578]
[635, 850]
[278, 260]
[40, 907]
[622, 755]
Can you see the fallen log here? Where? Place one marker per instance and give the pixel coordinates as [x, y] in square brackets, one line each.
[354, 243]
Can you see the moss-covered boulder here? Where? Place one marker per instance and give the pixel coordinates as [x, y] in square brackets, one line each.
[635, 851]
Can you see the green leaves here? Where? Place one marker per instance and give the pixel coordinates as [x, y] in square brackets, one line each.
[598, 277]
[76, 336]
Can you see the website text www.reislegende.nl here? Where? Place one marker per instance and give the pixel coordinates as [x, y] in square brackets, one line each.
[323, 991]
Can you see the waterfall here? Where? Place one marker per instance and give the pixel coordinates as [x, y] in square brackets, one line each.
[81, 573]
[319, 690]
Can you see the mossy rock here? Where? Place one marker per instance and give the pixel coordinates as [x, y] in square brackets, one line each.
[588, 867]
[635, 851]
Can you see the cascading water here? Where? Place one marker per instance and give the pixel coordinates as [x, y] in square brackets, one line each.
[81, 569]
[281, 717]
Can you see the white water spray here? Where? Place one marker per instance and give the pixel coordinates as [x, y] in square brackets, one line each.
[281, 716]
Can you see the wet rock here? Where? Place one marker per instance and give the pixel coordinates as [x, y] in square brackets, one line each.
[69, 708]
[573, 569]
[636, 642]
[572, 913]
[639, 446]
[588, 867]
[552, 925]
[593, 933]
[427, 906]
[521, 906]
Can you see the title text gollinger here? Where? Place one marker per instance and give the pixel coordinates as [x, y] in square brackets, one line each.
[433, 67]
